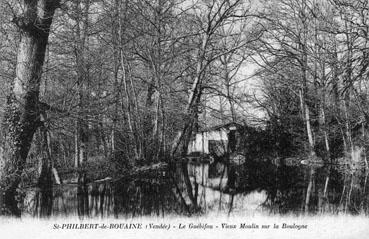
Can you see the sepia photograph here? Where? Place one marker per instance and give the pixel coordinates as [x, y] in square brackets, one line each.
[184, 119]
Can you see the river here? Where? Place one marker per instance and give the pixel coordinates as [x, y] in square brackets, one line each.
[199, 189]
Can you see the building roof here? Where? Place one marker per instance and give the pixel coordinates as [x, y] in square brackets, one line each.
[227, 126]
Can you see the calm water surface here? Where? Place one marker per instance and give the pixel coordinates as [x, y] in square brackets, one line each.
[188, 189]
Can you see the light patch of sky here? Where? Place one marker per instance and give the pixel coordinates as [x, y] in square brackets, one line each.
[246, 86]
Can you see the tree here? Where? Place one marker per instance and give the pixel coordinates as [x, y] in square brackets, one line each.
[211, 18]
[33, 19]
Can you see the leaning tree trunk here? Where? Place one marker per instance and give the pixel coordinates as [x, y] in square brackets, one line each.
[21, 118]
[193, 101]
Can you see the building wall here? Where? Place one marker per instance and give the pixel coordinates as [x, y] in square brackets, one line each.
[201, 141]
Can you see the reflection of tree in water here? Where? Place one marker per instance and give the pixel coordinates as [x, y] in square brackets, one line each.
[44, 193]
[82, 200]
[332, 190]
[287, 186]
[284, 186]
[353, 191]
[145, 196]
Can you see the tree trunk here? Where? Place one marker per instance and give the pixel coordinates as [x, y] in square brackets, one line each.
[193, 100]
[81, 127]
[22, 114]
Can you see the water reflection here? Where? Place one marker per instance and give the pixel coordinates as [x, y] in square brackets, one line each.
[200, 188]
